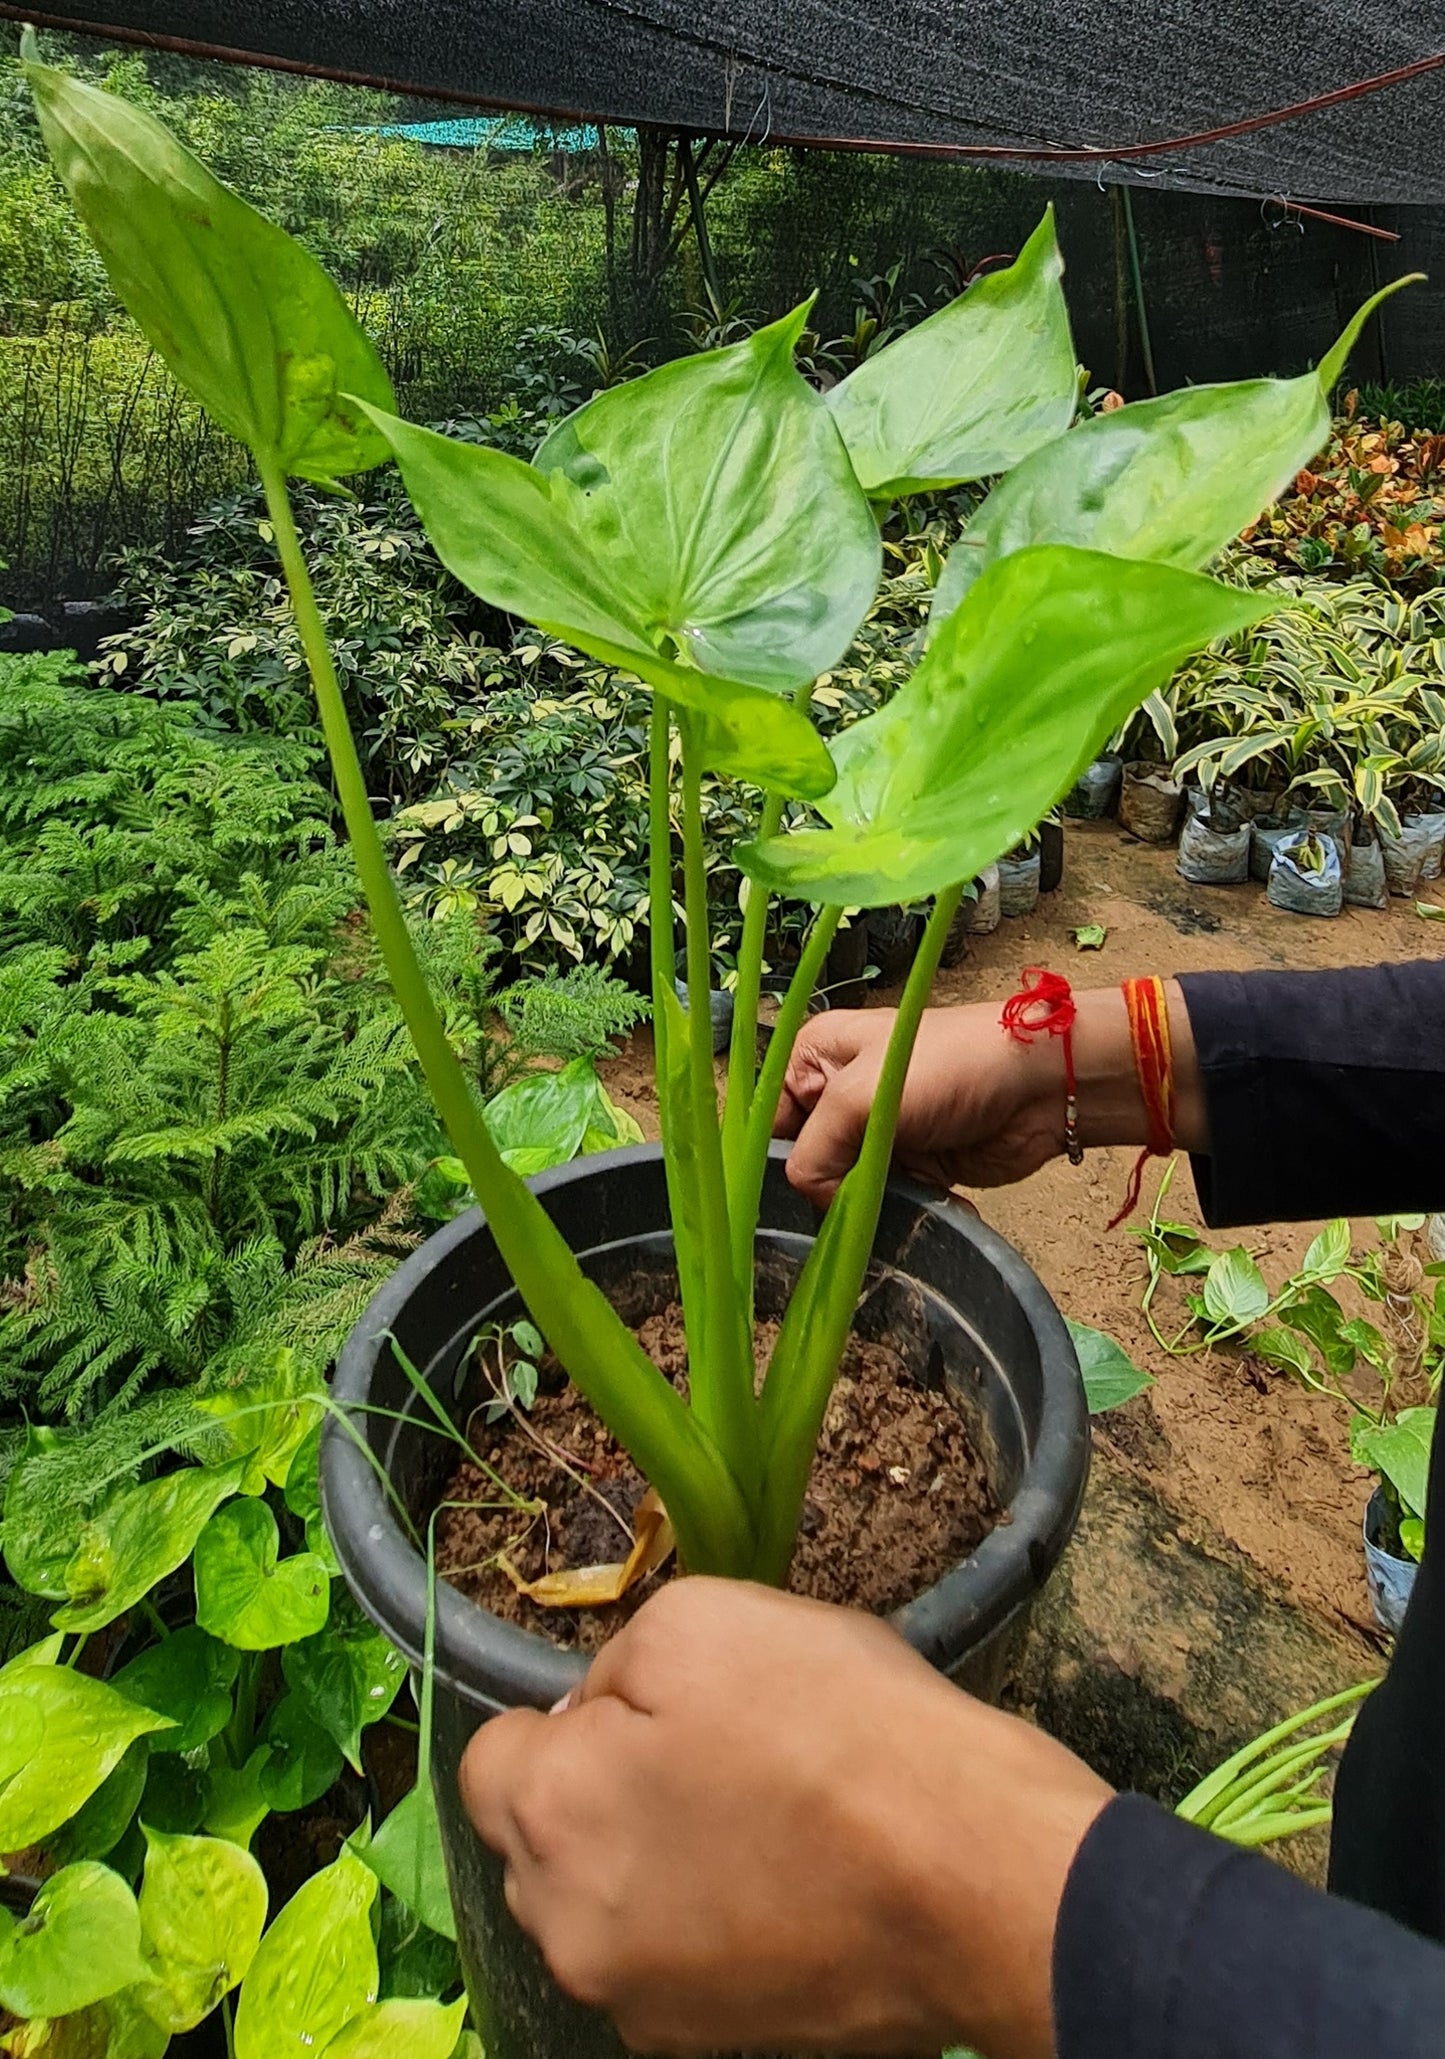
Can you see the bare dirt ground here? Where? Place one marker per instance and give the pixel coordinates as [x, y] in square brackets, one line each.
[1243, 1456]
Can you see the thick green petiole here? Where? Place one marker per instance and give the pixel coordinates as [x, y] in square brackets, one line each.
[815, 1329]
[742, 1048]
[746, 1167]
[638, 1405]
[720, 1356]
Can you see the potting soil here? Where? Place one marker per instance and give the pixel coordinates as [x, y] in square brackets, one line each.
[898, 1494]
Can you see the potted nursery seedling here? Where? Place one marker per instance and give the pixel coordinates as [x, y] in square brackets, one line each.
[712, 528]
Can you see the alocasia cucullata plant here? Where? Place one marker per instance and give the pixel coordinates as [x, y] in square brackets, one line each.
[712, 527]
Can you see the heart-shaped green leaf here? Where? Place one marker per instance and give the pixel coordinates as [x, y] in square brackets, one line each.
[1234, 1288]
[1015, 695]
[305, 1759]
[61, 1735]
[100, 1823]
[137, 1539]
[202, 1911]
[1110, 1376]
[245, 1594]
[315, 1968]
[188, 1676]
[540, 1121]
[244, 317]
[401, 2030]
[720, 497]
[972, 390]
[1171, 480]
[700, 527]
[268, 1419]
[405, 1854]
[347, 1676]
[79, 1943]
[1400, 1451]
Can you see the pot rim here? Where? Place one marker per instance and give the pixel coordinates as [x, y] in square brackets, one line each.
[388, 1576]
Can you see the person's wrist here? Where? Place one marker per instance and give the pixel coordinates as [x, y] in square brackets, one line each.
[982, 1886]
[1110, 1100]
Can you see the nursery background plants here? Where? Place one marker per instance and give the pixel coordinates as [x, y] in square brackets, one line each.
[215, 1139]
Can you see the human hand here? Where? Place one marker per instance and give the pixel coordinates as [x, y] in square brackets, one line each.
[763, 1823]
[980, 1108]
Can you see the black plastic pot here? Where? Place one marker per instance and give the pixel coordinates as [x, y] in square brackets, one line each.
[893, 935]
[971, 1315]
[846, 964]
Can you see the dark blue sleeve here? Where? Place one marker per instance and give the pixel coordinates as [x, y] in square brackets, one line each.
[1172, 1944]
[1325, 1092]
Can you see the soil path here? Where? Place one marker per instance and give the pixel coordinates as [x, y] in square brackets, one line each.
[1245, 1455]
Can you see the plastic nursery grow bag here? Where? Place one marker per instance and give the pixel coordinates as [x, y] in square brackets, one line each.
[1018, 883]
[1095, 790]
[1150, 802]
[1213, 857]
[1305, 877]
[1365, 876]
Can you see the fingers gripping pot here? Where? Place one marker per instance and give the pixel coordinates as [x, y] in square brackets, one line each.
[985, 1334]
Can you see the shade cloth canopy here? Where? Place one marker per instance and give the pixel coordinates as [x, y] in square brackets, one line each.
[1009, 76]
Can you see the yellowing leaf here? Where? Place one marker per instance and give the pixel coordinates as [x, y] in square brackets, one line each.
[594, 1587]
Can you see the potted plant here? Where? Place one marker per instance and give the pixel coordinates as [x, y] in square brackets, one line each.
[713, 528]
[1397, 1450]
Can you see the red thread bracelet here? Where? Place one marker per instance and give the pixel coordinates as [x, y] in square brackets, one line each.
[1044, 1006]
[1154, 1064]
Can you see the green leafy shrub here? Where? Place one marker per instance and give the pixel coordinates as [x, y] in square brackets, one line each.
[1337, 700]
[214, 630]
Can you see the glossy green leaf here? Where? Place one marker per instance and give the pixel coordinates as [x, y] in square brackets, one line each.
[117, 2028]
[188, 1676]
[1316, 1314]
[304, 1759]
[1110, 1375]
[79, 1943]
[137, 1539]
[1412, 1536]
[401, 2030]
[314, 1970]
[1014, 696]
[416, 1963]
[721, 498]
[405, 1854]
[1283, 1348]
[175, 1794]
[235, 1804]
[1400, 1451]
[202, 1911]
[1171, 480]
[244, 317]
[700, 527]
[268, 1420]
[609, 1125]
[100, 1823]
[245, 1594]
[61, 1734]
[971, 391]
[1329, 1252]
[1370, 1342]
[1234, 1288]
[347, 1675]
[540, 1120]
